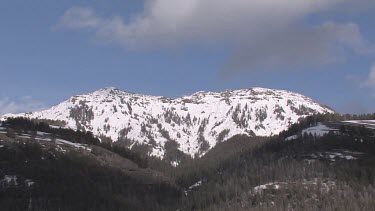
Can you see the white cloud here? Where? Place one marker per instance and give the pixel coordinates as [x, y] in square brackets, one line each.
[370, 82]
[261, 31]
[25, 104]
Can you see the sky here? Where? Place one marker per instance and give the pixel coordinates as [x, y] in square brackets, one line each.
[52, 50]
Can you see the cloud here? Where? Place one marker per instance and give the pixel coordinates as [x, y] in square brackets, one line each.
[260, 32]
[370, 82]
[292, 48]
[24, 104]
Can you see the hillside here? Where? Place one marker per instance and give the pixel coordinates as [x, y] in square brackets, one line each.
[320, 169]
[44, 171]
[194, 124]
[331, 171]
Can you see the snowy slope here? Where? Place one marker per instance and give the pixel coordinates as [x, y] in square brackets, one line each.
[195, 122]
[318, 130]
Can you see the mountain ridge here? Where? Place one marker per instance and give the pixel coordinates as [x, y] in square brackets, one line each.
[193, 124]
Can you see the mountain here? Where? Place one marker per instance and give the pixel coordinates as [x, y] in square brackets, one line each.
[193, 124]
[42, 166]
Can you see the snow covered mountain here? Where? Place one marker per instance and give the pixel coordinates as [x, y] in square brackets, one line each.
[195, 122]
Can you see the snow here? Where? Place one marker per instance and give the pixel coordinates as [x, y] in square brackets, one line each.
[319, 130]
[199, 183]
[349, 157]
[333, 156]
[43, 133]
[272, 185]
[54, 127]
[259, 188]
[29, 182]
[293, 137]
[117, 110]
[76, 145]
[325, 185]
[42, 136]
[60, 148]
[353, 152]
[361, 121]
[367, 123]
[192, 187]
[9, 179]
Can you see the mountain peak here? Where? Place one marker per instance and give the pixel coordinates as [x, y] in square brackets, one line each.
[196, 122]
[109, 89]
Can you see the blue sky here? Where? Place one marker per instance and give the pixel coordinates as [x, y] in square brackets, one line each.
[51, 50]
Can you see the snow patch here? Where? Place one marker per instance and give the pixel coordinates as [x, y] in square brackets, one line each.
[12, 179]
[293, 137]
[196, 185]
[272, 185]
[319, 130]
[324, 185]
[29, 182]
[9, 179]
[333, 156]
[76, 145]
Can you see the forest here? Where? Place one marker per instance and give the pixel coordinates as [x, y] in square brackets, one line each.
[332, 172]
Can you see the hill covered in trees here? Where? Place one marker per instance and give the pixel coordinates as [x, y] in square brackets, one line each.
[335, 171]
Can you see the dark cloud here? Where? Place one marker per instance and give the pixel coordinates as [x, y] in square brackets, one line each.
[299, 46]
